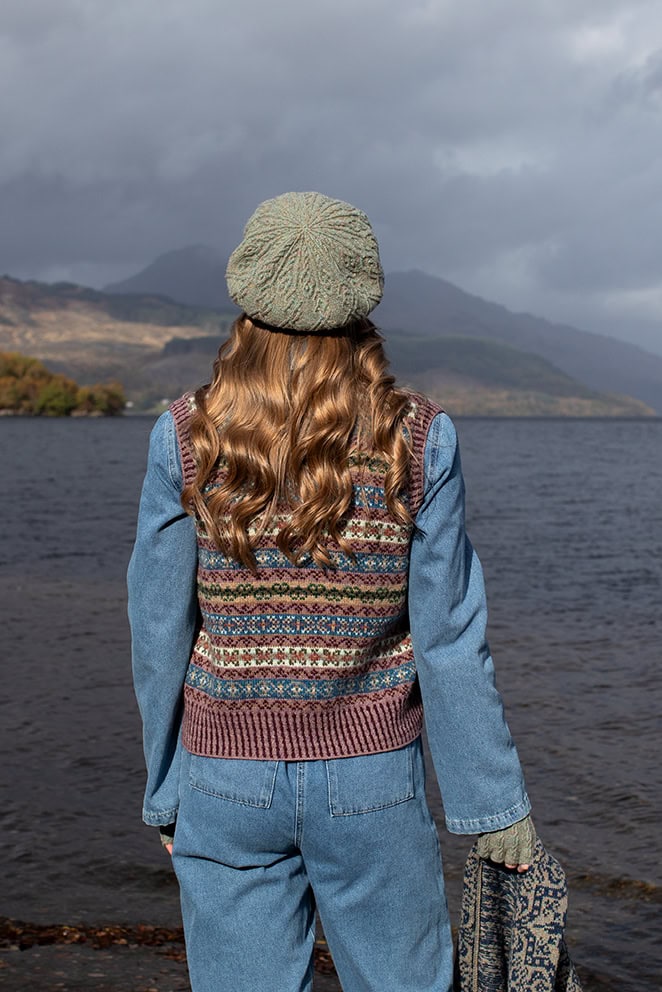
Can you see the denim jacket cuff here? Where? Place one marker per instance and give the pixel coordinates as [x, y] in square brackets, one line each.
[487, 824]
[161, 817]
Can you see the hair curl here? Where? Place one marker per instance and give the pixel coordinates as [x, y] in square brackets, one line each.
[280, 418]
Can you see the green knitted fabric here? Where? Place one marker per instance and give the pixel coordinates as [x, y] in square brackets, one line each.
[512, 846]
[306, 263]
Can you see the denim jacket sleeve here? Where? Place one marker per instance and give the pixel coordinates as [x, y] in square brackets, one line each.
[475, 759]
[163, 612]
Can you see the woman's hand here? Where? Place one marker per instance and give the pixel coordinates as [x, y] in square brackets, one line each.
[167, 834]
[512, 846]
[519, 868]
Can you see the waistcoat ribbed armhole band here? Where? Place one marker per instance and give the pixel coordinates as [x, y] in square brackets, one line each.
[182, 410]
[425, 410]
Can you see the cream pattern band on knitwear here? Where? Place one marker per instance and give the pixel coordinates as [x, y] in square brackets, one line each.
[306, 263]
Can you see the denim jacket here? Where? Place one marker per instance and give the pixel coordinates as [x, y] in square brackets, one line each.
[475, 760]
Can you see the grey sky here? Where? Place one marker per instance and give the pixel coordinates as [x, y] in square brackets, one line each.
[512, 146]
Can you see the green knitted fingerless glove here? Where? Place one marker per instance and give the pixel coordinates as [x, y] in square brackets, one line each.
[512, 846]
[167, 833]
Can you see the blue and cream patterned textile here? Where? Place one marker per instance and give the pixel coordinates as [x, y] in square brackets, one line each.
[511, 936]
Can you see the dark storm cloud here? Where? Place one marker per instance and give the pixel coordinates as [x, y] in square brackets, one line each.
[513, 146]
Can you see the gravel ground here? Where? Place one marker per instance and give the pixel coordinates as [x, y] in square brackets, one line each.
[131, 959]
[108, 959]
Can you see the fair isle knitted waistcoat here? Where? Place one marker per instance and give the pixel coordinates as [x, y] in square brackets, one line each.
[301, 662]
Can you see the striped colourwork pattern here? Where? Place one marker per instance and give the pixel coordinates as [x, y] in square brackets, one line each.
[301, 662]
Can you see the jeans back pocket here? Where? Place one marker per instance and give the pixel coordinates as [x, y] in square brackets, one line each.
[238, 780]
[371, 781]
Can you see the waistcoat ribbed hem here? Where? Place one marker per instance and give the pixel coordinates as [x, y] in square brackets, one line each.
[301, 731]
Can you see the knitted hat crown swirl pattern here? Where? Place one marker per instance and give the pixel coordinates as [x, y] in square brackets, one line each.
[306, 263]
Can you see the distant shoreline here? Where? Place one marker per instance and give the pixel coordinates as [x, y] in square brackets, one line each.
[75, 414]
[151, 415]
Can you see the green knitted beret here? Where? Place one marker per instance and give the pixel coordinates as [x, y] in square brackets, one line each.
[306, 263]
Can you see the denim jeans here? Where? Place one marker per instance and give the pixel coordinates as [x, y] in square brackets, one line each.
[260, 844]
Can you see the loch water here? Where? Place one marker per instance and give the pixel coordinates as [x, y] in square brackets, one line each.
[566, 516]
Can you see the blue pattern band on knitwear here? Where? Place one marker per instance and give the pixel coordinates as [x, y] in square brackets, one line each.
[297, 624]
[371, 497]
[261, 688]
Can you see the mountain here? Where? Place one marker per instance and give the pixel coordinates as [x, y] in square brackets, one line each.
[429, 307]
[22, 302]
[467, 375]
[158, 348]
[193, 275]
[91, 335]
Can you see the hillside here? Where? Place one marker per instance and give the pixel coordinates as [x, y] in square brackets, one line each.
[431, 307]
[467, 376]
[157, 348]
[88, 334]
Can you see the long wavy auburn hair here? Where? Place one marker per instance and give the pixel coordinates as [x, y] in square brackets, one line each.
[281, 418]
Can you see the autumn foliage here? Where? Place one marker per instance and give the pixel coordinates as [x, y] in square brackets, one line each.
[28, 387]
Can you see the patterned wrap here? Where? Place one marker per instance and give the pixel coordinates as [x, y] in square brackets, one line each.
[302, 662]
[511, 933]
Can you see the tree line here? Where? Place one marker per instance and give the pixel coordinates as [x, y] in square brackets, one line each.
[28, 387]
